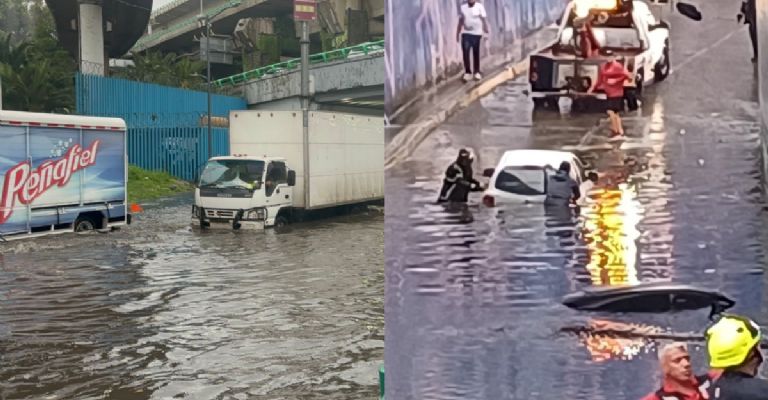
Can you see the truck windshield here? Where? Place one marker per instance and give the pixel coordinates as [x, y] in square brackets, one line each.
[232, 173]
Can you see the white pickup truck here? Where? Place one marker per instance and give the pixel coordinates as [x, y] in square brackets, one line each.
[627, 27]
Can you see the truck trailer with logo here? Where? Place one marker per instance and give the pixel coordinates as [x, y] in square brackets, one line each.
[61, 173]
[274, 175]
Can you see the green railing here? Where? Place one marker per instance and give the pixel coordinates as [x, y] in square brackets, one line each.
[141, 43]
[293, 64]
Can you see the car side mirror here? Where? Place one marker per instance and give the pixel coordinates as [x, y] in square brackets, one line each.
[488, 172]
[291, 178]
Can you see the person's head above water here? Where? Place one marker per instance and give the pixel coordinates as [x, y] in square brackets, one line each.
[676, 362]
[465, 157]
[733, 343]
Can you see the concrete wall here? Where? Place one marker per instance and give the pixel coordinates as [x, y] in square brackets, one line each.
[421, 40]
[762, 40]
[364, 71]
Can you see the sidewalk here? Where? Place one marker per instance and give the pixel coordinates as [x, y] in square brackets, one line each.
[422, 115]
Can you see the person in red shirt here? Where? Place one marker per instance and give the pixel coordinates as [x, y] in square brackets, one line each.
[588, 44]
[610, 79]
[678, 380]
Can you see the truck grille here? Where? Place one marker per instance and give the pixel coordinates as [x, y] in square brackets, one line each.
[219, 213]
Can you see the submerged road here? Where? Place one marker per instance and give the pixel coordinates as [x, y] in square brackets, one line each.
[473, 309]
[160, 311]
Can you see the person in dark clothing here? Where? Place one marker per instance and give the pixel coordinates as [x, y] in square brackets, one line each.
[561, 188]
[749, 14]
[733, 344]
[458, 180]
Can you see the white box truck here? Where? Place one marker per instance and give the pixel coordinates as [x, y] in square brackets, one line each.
[264, 183]
[61, 173]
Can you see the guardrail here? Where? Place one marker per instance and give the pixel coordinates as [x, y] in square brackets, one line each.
[362, 49]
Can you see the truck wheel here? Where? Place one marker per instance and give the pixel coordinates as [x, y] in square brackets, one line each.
[661, 69]
[84, 224]
[280, 221]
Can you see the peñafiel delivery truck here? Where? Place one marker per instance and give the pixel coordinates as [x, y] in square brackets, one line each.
[61, 173]
[274, 175]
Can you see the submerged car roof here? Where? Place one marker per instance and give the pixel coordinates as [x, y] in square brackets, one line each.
[519, 158]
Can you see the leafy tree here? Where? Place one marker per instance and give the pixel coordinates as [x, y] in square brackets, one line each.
[15, 20]
[36, 73]
[165, 69]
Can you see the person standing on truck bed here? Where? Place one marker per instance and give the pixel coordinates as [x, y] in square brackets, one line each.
[610, 78]
[588, 44]
[473, 22]
[749, 14]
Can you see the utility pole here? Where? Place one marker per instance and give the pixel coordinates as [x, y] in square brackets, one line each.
[305, 104]
[305, 11]
[208, 83]
[205, 22]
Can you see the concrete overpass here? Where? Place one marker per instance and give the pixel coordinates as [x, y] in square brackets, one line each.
[174, 26]
[350, 79]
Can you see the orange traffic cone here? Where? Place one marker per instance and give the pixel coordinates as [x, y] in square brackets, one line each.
[135, 208]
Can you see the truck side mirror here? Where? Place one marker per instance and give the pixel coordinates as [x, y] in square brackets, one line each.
[291, 178]
[488, 172]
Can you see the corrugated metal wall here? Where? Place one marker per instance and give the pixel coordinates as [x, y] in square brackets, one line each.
[166, 128]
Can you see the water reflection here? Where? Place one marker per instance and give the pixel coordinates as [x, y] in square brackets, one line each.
[610, 232]
[157, 311]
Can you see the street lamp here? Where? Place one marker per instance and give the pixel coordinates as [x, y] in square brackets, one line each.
[205, 22]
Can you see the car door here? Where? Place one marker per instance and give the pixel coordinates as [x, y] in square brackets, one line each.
[278, 193]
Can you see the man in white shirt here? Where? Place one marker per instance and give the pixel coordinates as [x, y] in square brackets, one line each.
[473, 22]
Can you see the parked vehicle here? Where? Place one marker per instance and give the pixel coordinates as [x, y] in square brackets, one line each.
[638, 36]
[521, 175]
[61, 173]
[262, 183]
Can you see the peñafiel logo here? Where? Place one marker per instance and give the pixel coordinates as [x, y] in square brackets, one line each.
[25, 184]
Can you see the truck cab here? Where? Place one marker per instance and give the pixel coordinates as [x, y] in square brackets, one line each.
[632, 29]
[244, 192]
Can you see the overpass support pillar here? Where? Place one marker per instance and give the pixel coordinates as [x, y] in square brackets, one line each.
[91, 37]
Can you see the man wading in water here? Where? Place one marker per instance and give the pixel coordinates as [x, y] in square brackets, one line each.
[458, 180]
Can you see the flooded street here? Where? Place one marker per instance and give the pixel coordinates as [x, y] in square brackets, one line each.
[473, 309]
[158, 311]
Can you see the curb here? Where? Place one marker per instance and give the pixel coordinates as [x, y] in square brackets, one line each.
[402, 146]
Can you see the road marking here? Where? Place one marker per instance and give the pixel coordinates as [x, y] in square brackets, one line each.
[704, 50]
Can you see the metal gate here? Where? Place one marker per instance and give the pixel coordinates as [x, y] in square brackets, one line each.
[166, 126]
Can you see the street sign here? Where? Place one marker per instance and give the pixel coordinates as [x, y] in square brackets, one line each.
[304, 10]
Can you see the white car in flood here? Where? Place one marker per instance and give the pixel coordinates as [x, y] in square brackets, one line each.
[521, 175]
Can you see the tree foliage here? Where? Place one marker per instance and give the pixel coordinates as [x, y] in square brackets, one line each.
[165, 69]
[35, 71]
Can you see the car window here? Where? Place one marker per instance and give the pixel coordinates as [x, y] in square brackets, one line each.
[526, 181]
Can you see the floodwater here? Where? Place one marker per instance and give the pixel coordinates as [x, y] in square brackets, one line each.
[159, 311]
[473, 309]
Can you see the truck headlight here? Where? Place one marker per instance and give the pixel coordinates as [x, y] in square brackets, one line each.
[195, 212]
[254, 214]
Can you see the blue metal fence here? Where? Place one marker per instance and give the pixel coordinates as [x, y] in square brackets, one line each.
[166, 126]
